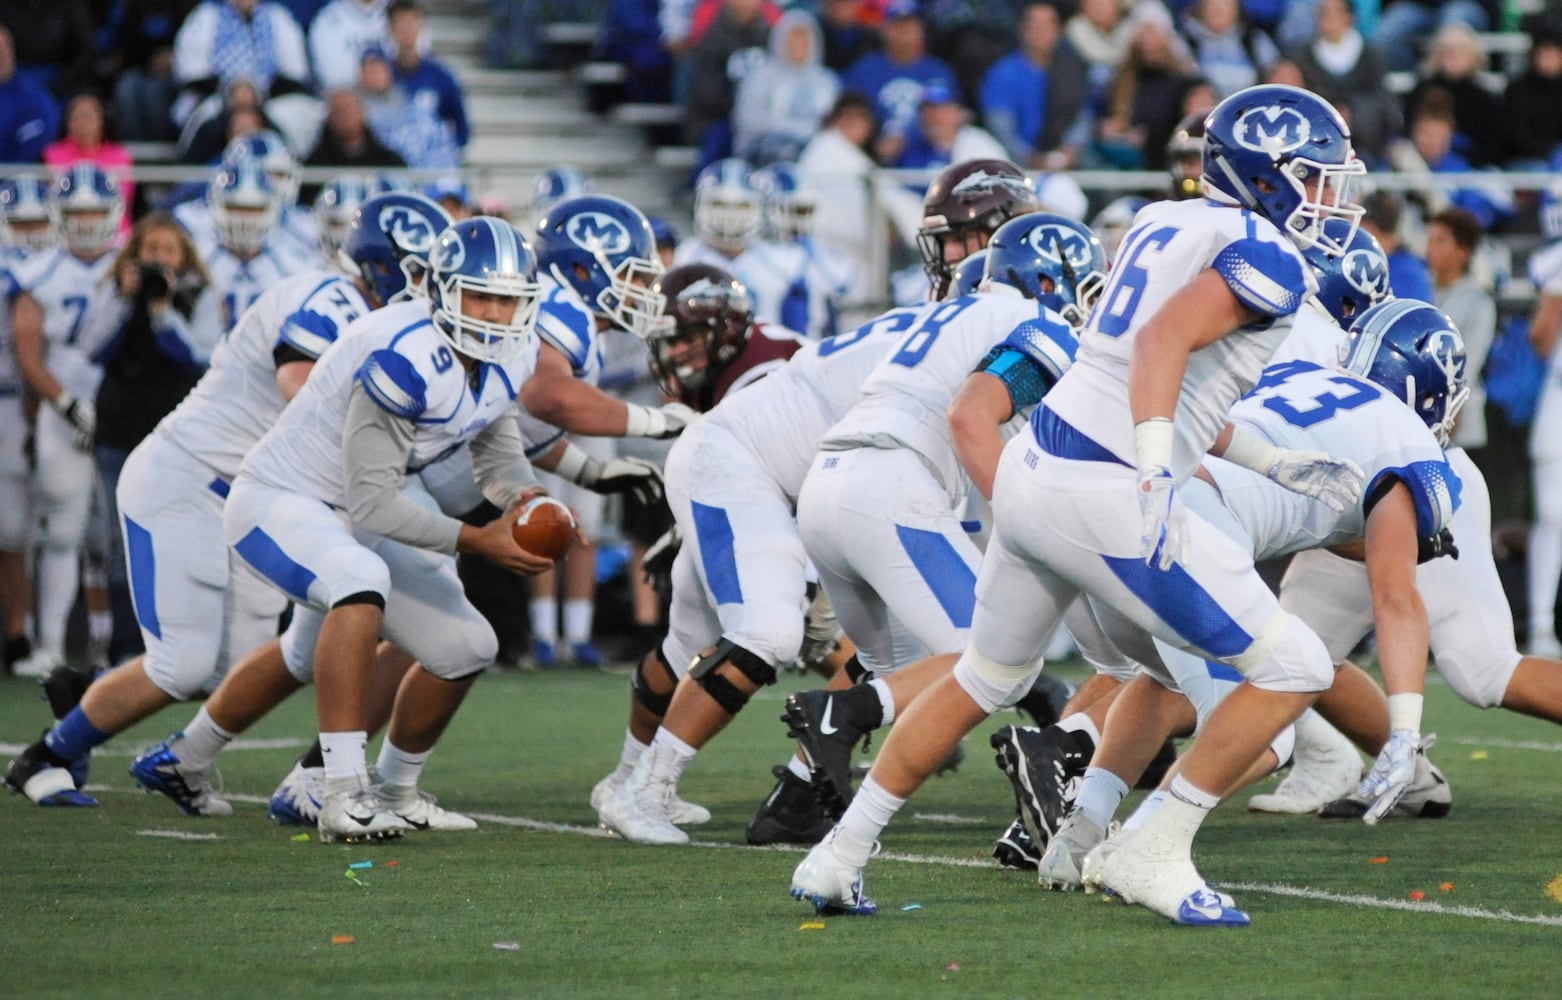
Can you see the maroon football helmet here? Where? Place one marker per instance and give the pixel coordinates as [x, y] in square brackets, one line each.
[964, 205]
[704, 328]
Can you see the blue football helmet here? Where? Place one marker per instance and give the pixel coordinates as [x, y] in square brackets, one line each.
[728, 208]
[603, 248]
[245, 206]
[25, 219]
[336, 204]
[1350, 282]
[1415, 352]
[488, 255]
[968, 274]
[790, 201]
[388, 244]
[87, 206]
[271, 151]
[1265, 146]
[1050, 258]
[558, 184]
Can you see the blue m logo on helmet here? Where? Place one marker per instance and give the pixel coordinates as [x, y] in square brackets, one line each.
[1273, 130]
[1367, 271]
[406, 228]
[598, 232]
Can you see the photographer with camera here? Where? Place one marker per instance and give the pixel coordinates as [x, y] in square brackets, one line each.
[168, 323]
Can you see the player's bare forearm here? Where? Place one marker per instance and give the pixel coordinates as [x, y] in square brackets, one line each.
[565, 401]
[975, 415]
[27, 332]
[1397, 608]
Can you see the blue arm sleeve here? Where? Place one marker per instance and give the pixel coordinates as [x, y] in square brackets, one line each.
[1434, 487]
[393, 384]
[1266, 277]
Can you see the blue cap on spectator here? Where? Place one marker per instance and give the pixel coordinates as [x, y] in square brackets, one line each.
[447, 187]
[938, 92]
[901, 8]
[374, 52]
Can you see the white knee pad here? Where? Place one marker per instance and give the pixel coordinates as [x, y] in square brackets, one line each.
[64, 524]
[181, 669]
[298, 643]
[991, 684]
[1286, 656]
[464, 651]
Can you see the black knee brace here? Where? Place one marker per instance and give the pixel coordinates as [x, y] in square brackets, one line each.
[640, 686]
[722, 691]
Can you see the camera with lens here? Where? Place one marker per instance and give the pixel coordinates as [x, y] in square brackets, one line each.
[154, 282]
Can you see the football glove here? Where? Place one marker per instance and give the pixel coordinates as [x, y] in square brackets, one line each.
[1391, 775]
[657, 563]
[82, 415]
[1336, 482]
[635, 476]
[664, 422]
[1160, 509]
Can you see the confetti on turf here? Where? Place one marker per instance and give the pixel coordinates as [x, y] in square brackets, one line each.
[361, 864]
[910, 906]
[1417, 895]
[507, 946]
[1446, 887]
[812, 925]
[1378, 861]
[952, 967]
[300, 838]
[393, 864]
[1478, 755]
[342, 939]
[1554, 889]
[354, 876]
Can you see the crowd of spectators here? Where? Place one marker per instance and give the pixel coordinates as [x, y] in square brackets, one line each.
[349, 80]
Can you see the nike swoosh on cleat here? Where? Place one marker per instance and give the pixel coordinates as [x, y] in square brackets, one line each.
[413, 823]
[361, 820]
[824, 724]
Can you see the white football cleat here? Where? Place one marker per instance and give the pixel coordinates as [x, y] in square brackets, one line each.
[1061, 867]
[830, 884]
[357, 815]
[1146, 871]
[1326, 767]
[638, 809]
[39, 664]
[419, 810]
[682, 813]
[296, 802]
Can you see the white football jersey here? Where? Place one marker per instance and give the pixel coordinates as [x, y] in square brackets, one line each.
[1307, 407]
[241, 283]
[406, 367]
[10, 378]
[1314, 337]
[782, 416]
[79, 306]
[296, 240]
[905, 402]
[237, 400]
[1171, 243]
[775, 275]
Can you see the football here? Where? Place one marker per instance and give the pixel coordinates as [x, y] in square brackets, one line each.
[545, 528]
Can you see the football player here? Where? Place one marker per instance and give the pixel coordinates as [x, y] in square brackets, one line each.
[791, 204]
[63, 311]
[171, 497]
[1199, 299]
[963, 207]
[245, 207]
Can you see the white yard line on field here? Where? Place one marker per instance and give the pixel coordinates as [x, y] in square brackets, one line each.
[1500, 744]
[130, 750]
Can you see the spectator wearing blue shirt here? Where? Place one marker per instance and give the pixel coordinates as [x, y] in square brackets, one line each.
[29, 118]
[1408, 276]
[894, 78]
[426, 82]
[1432, 134]
[1033, 99]
[944, 134]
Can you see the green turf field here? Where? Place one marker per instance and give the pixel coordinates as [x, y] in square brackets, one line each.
[124, 901]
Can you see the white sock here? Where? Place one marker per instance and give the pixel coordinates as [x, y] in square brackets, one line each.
[100, 625]
[670, 765]
[798, 768]
[630, 755]
[343, 754]
[886, 699]
[399, 767]
[870, 812]
[1079, 722]
[545, 619]
[1184, 811]
[58, 575]
[1149, 807]
[578, 612]
[1100, 793]
[203, 740]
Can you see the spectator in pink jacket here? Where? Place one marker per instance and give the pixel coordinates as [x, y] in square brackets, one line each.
[86, 139]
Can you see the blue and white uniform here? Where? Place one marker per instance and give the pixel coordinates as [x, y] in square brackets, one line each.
[287, 518]
[295, 241]
[566, 323]
[15, 475]
[1065, 500]
[171, 493]
[241, 282]
[880, 509]
[733, 478]
[79, 317]
[775, 274]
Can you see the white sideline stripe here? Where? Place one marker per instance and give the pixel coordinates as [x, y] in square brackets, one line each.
[1475, 741]
[1295, 892]
[178, 835]
[121, 750]
[951, 819]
